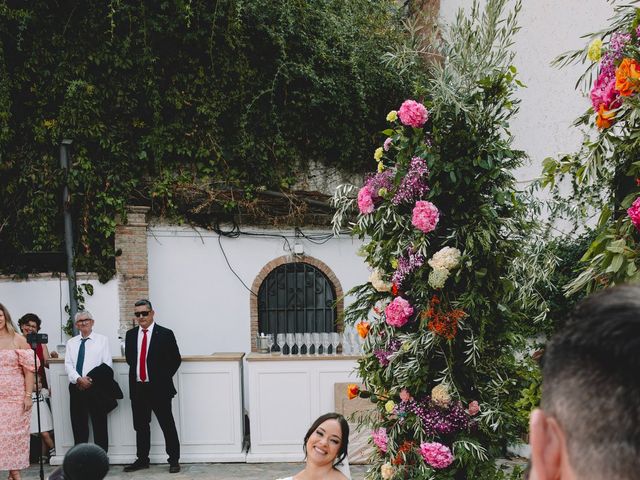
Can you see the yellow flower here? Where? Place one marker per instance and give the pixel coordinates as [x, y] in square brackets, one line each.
[392, 116]
[595, 50]
[49, 123]
[380, 167]
[394, 263]
[389, 406]
[382, 192]
[378, 154]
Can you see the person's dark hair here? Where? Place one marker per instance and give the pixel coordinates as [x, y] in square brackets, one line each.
[30, 317]
[143, 301]
[591, 384]
[344, 428]
[85, 461]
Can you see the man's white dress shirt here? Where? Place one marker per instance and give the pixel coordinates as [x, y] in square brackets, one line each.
[96, 352]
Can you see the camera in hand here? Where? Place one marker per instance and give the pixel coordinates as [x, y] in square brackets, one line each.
[37, 338]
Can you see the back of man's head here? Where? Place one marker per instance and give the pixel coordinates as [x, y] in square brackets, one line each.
[589, 427]
[85, 461]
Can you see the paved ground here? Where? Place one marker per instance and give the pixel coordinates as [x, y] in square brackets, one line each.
[204, 471]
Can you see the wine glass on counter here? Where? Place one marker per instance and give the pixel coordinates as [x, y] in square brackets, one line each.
[299, 343]
[335, 341]
[353, 341]
[279, 343]
[289, 345]
[307, 343]
[326, 341]
[315, 343]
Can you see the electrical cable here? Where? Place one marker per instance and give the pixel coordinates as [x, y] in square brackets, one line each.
[224, 254]
[236, 232]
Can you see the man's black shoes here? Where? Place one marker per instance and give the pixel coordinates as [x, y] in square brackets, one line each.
[137, 465]
[174, 468]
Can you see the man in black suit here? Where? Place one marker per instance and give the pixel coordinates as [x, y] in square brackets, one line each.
[153, 357]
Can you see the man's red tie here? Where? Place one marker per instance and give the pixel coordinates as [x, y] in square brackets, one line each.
[143, 357]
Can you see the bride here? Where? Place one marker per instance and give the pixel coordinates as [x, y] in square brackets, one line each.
[325, 448]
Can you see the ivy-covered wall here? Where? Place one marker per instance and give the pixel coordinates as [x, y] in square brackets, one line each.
[231, 93]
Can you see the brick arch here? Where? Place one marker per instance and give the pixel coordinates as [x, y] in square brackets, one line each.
[275, 263]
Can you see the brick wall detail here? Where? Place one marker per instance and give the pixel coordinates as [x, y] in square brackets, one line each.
[132, 266]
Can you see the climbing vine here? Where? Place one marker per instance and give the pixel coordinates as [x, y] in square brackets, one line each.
[228, 94]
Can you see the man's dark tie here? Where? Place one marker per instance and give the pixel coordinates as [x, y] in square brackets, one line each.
[80, 362]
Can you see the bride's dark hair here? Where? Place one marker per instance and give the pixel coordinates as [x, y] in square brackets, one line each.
[344, 427]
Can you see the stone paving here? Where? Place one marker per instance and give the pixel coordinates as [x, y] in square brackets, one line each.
[205, 471]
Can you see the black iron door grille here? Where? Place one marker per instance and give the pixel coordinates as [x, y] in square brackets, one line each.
[296, 298]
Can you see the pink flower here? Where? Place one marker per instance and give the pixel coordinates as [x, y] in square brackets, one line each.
[604, 92]
[436, 454]
[387, 144]
[425, 216]
[634, 213]
[398, 312]
[380, 439]
[413, 114]
[405, 396]
[365, 200]
[474, 408]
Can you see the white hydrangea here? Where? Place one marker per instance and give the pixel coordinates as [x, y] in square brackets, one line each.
[437, 277]
[440, 395]
[446, 258]
[387, 471]
[378, 283]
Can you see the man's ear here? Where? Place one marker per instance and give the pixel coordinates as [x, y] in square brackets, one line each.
[548, 447]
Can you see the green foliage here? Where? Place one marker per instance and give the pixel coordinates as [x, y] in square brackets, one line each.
[531, 393]
[603, 174]
[467, 147]
[241, 94]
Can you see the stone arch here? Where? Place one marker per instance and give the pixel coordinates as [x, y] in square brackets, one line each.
[273, 264]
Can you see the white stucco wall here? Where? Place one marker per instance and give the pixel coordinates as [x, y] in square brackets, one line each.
[47, 298]
[195, 293]
[550, 103]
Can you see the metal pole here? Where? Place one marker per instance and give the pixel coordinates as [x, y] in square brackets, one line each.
[68, 232]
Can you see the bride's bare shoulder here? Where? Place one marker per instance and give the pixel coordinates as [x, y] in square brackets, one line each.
[338, 475]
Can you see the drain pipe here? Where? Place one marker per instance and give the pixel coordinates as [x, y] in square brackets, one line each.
[68, 232]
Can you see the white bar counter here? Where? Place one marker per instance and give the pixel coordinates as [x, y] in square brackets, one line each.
[207, 410]
[286, 394]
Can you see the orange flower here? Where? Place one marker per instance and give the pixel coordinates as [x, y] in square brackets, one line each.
[605, 117]
[628, 77]
[405, 448]
[363, 329]
[442, 323]
[352, 391]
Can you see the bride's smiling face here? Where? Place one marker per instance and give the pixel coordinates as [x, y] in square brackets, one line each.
[324, 443]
